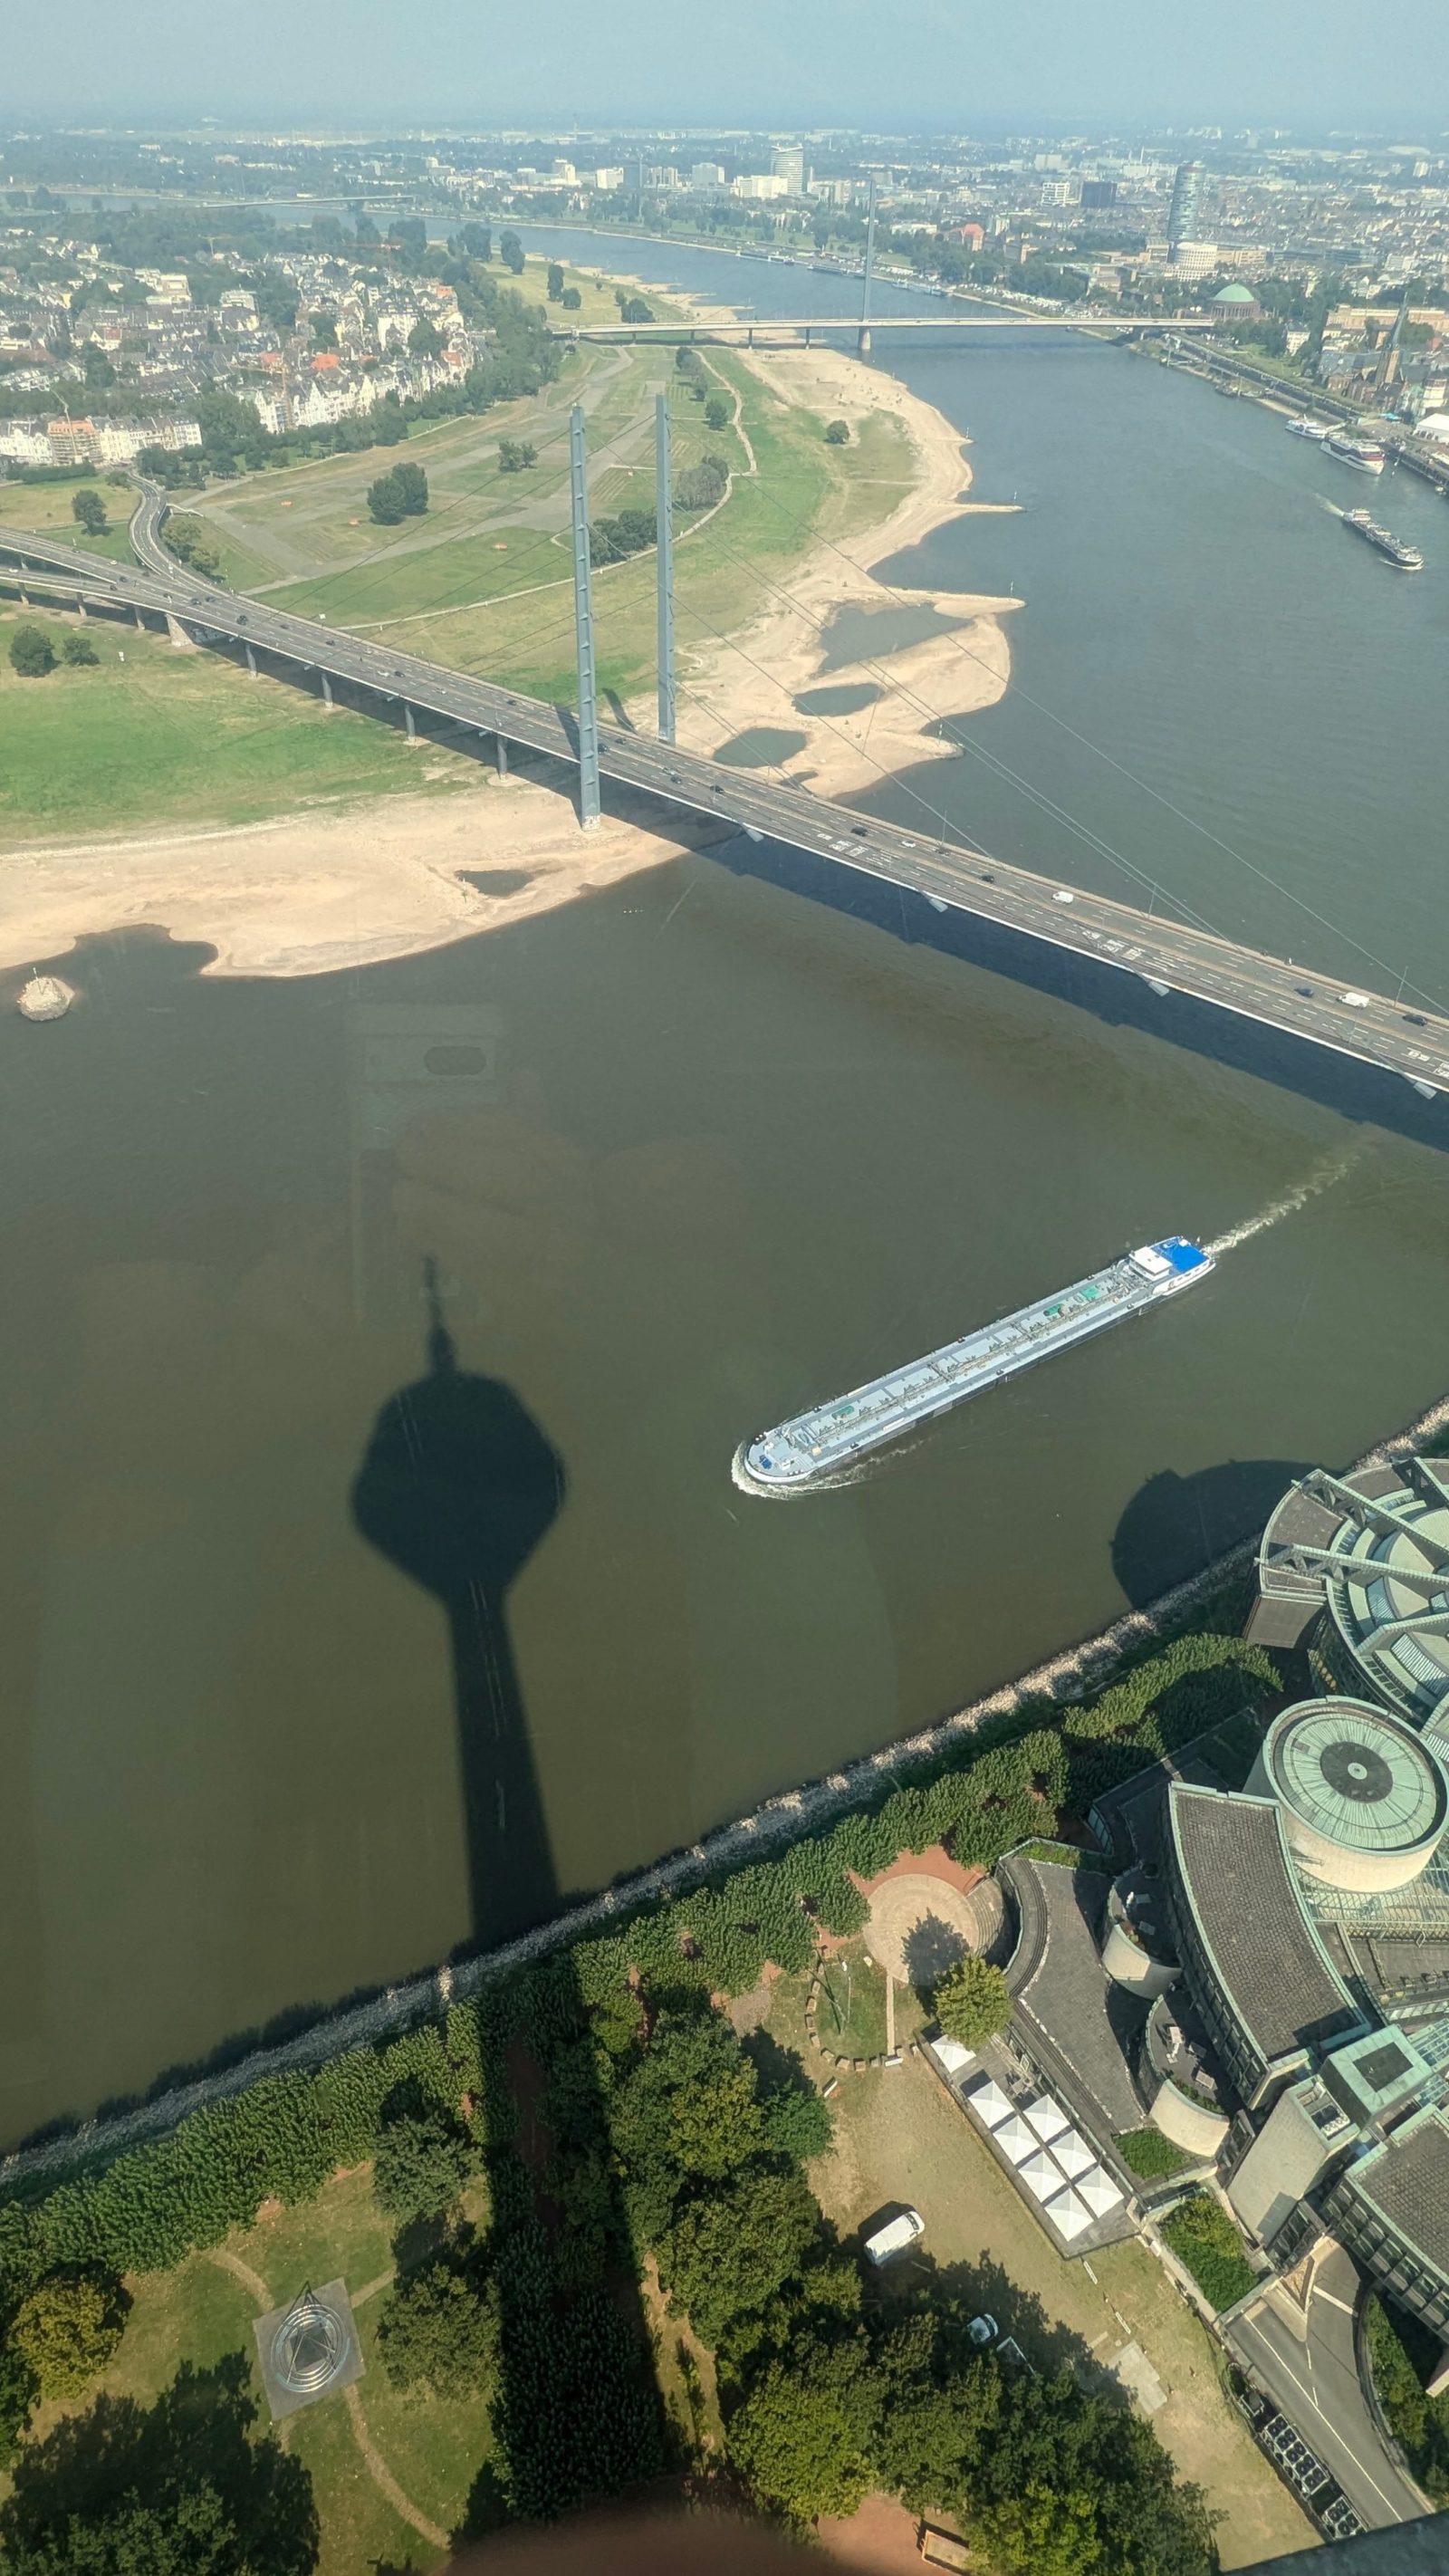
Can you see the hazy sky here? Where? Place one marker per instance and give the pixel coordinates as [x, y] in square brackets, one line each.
[910, 63]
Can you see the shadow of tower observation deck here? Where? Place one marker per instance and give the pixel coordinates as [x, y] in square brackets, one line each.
[457, 1488]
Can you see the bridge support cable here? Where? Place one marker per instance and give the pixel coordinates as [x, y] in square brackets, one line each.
[590, 802]
[664, 553]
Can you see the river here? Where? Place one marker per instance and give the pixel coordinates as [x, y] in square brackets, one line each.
[729, 1149]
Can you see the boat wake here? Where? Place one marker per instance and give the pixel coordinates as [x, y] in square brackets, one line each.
[1324, 1176]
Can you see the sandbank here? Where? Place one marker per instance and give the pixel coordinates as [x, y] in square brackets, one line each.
[314, 892]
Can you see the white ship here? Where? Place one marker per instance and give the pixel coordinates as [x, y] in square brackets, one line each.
[813, 1449]
[1364, 454]
[1305, 426]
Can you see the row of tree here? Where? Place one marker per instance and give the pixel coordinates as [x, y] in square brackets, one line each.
[33, 655]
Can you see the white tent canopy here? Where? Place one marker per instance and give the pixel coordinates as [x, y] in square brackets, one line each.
[1015, 2140]
[1072, 2153]
[1045, 2115]
[1099, 2192]
[989, 2103]
[950, 2054]
[1041, 2177]
[1067, 2215]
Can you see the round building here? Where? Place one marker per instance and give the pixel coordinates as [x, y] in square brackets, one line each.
[1357, 1570]
[1364, 1798]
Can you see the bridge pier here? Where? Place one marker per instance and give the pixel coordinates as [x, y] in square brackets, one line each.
[408, 720]
[501, 748]
[136, 613]
[862, 340]
[252, 663]
[80, 601]
[326, 691]
[182, 642]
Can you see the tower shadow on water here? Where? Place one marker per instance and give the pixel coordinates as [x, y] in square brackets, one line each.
[457, 1488]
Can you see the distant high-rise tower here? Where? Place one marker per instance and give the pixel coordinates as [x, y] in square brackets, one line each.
[1182, 214]
[787, 162]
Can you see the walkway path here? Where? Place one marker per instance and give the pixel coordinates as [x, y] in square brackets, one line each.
[383, 2479]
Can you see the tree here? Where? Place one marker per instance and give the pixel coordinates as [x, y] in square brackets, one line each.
[794, 2444]
[972, 2001]
[798, 2122]
[701, 485]
[727, 2256]
[717, 411]
[634, 309]
[555, 285]
[191, 541]
[571, 299]
[515, 455]
[476, 241]
[412, 489]
[89, 511]
[425, 340]
[19, 2390]
[32, 653]
[422, 2164]
[838, 434]
[324, 331]
[715, 2128]
[510, 251]
[68, 2327]
[1043, 2533]
[439, 2331]
[78, 650]
[98, 371]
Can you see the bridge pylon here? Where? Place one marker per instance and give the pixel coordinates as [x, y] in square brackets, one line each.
[664, 552]
[590, 802]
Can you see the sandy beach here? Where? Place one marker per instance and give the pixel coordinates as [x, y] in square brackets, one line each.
[339, 886]
[312, 893]
[757, 678]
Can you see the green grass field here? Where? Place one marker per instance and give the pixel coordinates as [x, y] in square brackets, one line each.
[179, 738]
[202, 2312]
[483, 583]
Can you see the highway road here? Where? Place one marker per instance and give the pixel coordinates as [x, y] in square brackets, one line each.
[1313, 2379]
[1170, 958]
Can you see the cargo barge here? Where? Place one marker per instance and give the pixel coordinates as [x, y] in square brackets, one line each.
[819, 1447]
[1393, 549]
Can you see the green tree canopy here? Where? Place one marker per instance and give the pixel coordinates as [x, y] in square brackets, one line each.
[425, 340]
[725, 2257]
[191, 541]
[439, 2330]
[88, 509]
[837, 435]
[78, 649]
[323, 327]
[972, 2001]
[555, 286]
[795, 2445]
[571, 299]
[67, 2329]
[717, 411]
[32, 653]
[422, 2163]
[510, 251]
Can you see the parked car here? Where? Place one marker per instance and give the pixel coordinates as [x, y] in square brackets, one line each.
[893, 2239]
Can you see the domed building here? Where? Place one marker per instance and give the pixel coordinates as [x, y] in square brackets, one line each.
[1364, 1799]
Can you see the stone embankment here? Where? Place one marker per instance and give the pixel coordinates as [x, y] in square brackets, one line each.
[1065, 1677]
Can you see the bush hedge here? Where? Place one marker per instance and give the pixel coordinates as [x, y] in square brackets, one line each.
[1204, 2239]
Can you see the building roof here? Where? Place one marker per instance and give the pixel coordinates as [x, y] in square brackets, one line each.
[1233, 1866]
[1407, 2182]
[1234, 295]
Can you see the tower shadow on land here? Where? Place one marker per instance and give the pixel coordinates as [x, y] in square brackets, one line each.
[457, 1488]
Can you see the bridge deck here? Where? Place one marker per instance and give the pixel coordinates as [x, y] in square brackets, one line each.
[1294, 999]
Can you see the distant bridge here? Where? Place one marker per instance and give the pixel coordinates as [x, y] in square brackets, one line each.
[800, 329]
[1168, 957]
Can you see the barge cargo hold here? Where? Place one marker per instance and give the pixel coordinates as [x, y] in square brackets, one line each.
[819, 1447]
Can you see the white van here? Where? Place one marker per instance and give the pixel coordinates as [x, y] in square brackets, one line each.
[891, 2240]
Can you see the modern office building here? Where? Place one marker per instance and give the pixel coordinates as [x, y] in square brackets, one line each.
[1182, 214]
[1356, 1569]
[787, 162]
